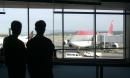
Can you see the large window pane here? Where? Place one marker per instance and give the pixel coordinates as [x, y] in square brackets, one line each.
[41, 14]
[72, 30]
[78, 34]
[58, 35]
[52, 33]
[10, 15]
[110, 36]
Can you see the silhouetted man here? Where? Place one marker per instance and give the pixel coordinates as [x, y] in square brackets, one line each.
[14, 50]
[40, 52]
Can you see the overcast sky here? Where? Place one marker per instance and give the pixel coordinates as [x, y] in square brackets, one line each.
[72, 22]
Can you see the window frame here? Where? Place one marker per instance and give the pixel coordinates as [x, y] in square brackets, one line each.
[95, 61]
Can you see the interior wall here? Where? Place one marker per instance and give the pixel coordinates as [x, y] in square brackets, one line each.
[68, 71]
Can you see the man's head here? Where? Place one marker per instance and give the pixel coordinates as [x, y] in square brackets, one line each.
[16, 27]
[40, 27]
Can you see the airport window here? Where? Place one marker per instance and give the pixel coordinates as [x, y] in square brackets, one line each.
[57, 24]
[77, 34]
[109, 28]
[79, 26]
[74, 27]
[10, 15]
[92, 34]
[41, 14]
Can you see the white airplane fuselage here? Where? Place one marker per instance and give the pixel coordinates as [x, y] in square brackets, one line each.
[81, 43]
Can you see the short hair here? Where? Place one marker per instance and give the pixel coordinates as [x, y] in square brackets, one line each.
[16, 25]
[40, 26]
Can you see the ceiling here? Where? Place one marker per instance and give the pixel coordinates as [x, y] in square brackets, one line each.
[69, 4]
[72, 1]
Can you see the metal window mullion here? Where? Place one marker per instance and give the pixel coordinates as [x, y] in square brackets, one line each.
[28, 19]
[95, 33]
[53, 24]
[63, 32]
[124, 36]
[91, 13]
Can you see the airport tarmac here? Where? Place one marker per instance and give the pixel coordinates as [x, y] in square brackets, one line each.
[100, 55]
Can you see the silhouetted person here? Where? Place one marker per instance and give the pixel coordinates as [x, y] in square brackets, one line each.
[40, 53]
[14, 51]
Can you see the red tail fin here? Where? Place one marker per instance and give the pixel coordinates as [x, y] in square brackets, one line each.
[110, 30]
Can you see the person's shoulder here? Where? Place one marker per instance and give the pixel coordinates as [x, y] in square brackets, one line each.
[31, 40]
[49, 40]
[7, 37]
[21, 41]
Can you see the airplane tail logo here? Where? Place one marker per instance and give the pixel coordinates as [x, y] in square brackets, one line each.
[84, 33]
[110, 29]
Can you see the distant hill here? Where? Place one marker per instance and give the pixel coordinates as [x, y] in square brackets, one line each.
[3, 35]
[71, 33]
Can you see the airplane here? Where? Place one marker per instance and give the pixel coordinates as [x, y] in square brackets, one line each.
[85, 39]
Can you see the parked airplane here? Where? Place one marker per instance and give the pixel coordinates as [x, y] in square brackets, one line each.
[85, 39]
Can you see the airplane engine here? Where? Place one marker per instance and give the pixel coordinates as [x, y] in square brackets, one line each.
[65, 42]
[115, 45]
